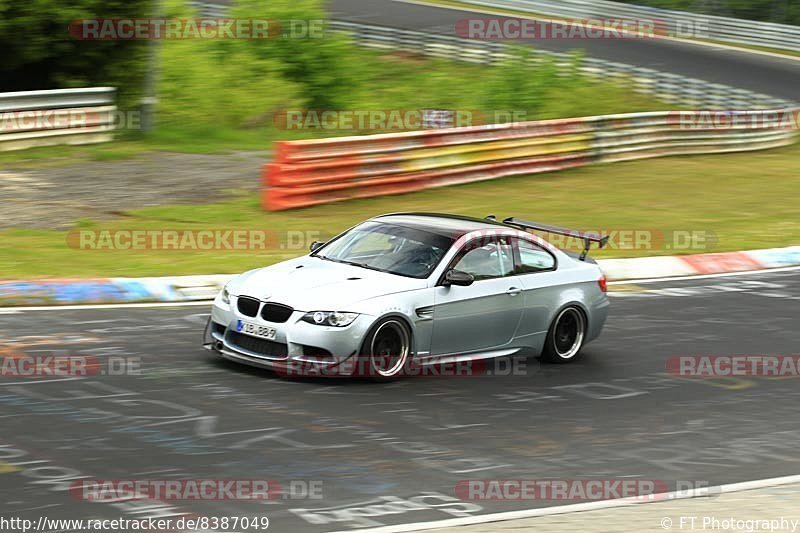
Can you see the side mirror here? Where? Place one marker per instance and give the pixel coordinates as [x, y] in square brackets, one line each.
[457, 277]
[316, 245]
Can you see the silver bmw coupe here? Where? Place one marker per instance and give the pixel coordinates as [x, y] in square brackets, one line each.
[409, 290]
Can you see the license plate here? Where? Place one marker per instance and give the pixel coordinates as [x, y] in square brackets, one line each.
[255, 330]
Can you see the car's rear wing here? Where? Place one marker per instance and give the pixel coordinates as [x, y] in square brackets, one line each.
[587, 238]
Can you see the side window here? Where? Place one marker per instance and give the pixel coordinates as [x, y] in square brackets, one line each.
[487, 260]
[533, 258]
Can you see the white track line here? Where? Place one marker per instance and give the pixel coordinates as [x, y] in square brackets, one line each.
[35, 381]
[581, 507]
[490, 11]
[12, 310]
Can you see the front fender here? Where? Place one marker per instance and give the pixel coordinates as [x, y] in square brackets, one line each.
[410, 307]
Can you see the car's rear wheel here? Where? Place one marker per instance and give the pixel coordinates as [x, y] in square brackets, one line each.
[565, 337]
[387, 349]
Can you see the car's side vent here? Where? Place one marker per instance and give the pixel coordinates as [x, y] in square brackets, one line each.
[248, 306]
[276, 312]
[425, 313]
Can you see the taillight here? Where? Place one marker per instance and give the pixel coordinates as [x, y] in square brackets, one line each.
[603, 283]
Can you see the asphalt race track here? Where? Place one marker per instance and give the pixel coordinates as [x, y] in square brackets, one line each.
[757, 72]
[381, 454]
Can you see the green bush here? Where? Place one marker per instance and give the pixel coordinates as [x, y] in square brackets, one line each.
[240, 83]
[520, 84]
[39, 53]
[204, 82]
[322, 63]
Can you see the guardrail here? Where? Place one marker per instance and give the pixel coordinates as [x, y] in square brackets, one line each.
[311, 172]
[678, 23]
[673, 88]
[218, 9]
[64, 116]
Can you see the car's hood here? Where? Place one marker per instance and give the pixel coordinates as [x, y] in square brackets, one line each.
[312, 284]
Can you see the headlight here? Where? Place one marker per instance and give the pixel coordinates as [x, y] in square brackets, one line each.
[330, 318]
[225, 296]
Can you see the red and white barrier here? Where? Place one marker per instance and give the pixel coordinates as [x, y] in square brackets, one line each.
[311, 172]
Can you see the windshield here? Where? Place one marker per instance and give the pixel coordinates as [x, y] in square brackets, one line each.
[388, 248]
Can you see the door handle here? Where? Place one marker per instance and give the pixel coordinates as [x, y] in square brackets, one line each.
[513, 291]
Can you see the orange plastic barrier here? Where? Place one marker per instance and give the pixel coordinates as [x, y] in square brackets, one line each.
[312, 172]
[326, 170]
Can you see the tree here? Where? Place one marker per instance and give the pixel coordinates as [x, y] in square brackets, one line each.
[39, 53]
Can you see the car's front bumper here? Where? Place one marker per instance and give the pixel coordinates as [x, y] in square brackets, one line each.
[299, 348]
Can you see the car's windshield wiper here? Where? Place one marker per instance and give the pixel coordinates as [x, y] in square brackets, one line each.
[364, 265]
[326, 258]
[353, 263]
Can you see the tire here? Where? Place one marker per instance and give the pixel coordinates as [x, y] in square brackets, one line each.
[566, 336]
[386, 351]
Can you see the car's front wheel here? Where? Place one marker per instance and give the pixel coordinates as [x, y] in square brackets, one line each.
[387, 349]
[565, 337]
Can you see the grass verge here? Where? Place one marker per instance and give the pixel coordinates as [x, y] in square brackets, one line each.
[387, 82]
[739, 201]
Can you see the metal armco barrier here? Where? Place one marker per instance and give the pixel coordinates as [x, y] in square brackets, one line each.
[676, 23]
[65, 116]
[311, 172]
[673, 88]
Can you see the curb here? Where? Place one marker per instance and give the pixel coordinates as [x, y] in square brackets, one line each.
[55, 292]
[110, 290]
[699, 264]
